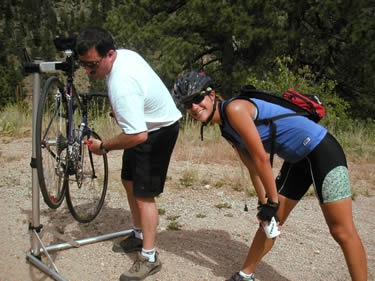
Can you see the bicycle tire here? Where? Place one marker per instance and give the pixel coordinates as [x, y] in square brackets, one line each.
[51, 139]
[86, 192]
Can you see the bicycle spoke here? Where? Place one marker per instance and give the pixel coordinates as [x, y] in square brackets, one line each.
[87, 188]
[51, 152]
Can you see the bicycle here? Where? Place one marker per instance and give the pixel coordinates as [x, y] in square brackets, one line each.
[66, 167]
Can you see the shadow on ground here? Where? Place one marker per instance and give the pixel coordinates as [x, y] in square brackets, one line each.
[213, 249]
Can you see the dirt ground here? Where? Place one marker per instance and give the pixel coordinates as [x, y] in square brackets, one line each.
[211, 242]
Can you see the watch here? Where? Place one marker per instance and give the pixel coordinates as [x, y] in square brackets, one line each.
[103, 149]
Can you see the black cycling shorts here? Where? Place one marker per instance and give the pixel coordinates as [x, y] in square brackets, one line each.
[146, 164]
[325, 167]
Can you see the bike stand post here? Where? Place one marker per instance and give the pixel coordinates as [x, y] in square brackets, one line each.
[37, 246]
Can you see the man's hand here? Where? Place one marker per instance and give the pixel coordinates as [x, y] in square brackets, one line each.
[94, 146]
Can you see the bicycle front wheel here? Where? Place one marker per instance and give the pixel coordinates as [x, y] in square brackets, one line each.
[51, 142]
[87, 188]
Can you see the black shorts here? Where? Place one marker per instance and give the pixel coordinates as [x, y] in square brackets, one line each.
[325, 167]
[146, 164]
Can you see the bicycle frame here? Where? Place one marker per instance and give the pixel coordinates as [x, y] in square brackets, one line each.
[74, 144]
[37, 246]
[66, 165]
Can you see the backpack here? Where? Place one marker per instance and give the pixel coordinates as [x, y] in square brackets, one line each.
[305, 105]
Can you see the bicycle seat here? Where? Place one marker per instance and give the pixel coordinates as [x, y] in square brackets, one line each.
[65, 43]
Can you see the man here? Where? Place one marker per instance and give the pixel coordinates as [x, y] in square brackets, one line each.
[148, 118]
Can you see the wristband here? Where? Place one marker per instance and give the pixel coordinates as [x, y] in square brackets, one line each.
[102, 148]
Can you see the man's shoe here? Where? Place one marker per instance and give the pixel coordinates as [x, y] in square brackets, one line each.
[141, 268]
[238, 277]
[128, 245]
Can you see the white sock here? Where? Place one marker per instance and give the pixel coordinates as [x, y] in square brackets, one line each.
[246, 276]
[150, 254]
[138, 232]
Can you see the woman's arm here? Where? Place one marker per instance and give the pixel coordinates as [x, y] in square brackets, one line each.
[255, 179]
[239, 114]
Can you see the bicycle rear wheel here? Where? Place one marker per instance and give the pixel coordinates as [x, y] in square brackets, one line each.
[87, 188]
[51, 142]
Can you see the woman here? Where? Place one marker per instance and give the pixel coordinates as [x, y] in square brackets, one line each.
[311, 156]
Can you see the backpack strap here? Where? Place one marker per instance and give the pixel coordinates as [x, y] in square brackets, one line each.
[223, 116]
[266, 121]
[273, 127]
[251, 92]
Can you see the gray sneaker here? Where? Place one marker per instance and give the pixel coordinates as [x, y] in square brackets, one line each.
[128, 245]
[238, 277]
[141, 268]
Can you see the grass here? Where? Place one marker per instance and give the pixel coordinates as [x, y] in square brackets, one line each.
[200, 215]
[200, 161]
[356, 136]
[174, 224]
[16, 120]
[223, 206]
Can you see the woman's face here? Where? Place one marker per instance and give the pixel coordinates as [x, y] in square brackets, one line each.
[202, 110]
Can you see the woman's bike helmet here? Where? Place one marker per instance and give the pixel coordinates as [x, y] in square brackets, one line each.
[189, 85]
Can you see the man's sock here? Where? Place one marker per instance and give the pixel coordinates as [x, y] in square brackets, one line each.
[138, 233]
[150, 254]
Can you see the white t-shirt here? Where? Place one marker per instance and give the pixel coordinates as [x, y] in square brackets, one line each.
[140, 100]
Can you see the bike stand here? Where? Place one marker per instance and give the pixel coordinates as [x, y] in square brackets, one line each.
[37, 246]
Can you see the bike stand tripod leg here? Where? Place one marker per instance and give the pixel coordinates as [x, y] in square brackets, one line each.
[37, 246]
[35, 226]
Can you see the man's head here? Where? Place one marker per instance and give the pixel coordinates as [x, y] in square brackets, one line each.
[96, 50]
[96, 37]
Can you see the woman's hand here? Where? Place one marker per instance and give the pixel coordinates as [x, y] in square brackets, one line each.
[268, 210]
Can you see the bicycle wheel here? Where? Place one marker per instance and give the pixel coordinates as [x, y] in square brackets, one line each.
[87, 188]
[51, 142]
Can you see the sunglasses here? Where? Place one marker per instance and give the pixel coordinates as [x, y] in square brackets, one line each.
[196, 100]
[90, 64]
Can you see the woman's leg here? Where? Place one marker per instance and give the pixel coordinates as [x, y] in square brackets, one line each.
[261, 245]
[339, 218]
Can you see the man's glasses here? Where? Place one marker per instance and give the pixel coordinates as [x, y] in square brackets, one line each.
[196, 100]
[90, 64]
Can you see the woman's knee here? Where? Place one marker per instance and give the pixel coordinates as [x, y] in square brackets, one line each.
[343, 233]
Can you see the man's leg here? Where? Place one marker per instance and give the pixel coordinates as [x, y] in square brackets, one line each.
[128, 185]
[132, 243]
[149, 219]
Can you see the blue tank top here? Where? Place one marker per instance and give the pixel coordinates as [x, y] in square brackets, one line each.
[296, 136]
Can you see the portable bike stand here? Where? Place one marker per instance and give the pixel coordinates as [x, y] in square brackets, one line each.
[37, 246]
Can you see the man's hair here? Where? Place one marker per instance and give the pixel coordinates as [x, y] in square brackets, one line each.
[96, 37]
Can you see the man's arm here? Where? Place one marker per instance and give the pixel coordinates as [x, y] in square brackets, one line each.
[122, 141]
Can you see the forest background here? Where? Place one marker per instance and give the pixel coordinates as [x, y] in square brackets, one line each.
[329, 44]
[323, 47]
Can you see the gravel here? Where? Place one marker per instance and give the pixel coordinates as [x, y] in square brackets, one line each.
[210, 243]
